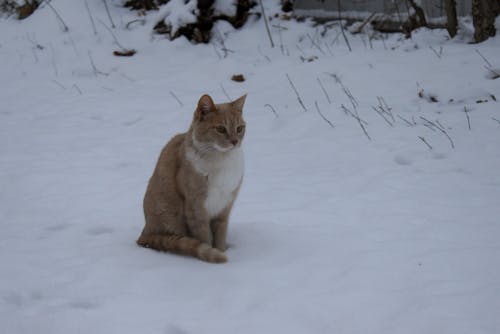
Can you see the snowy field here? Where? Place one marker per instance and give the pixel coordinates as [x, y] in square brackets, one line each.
[333, 232]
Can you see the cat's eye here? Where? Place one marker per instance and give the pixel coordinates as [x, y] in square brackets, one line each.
[240, 128]
[221, 129]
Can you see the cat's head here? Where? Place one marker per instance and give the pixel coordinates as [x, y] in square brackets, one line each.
[219, 126]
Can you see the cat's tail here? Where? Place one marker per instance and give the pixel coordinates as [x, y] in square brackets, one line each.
[182, 245]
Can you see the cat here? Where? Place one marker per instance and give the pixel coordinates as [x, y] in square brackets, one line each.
[195, 183]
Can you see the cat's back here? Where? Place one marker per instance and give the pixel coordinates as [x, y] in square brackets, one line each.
[172, 150]
[168, 163]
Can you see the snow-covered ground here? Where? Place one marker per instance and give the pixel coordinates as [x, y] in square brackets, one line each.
[332, 232]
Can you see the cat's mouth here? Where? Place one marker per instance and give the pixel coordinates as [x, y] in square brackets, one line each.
[224, 149]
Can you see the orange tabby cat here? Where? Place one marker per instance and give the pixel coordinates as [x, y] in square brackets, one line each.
[195, 182]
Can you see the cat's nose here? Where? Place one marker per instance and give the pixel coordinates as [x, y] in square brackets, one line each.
[234, 141]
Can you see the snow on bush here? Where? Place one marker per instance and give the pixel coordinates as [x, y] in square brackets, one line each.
[177, 13]
[225, 7]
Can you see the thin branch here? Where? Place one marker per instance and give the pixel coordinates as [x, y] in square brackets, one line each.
[282, 48]
[467, 115]
[141, 21]
[112, 34]
[493, 118]
[342, 27]
[263, 55]
[296, 92]
[315, 44]
[384, 107]
[349, 112]
[346, 90]
[336, 38]
[324, 91]
[300, 49]
[216, 52]
[75, 86]
[65, 27]
[267, 24]
[425, 142]
[438, 54]
[440, 128]
[54, 65]
[405, 120]
[91, 18]
[360, 121]
[176, 98]
[323, 116]
[381, 114]
[272, 109]
[225, 93]
[94, 68]
[109, 15]
[59, 84]
[484, 58]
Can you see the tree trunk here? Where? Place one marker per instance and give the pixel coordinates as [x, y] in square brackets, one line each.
[451, 15]
[484, 13]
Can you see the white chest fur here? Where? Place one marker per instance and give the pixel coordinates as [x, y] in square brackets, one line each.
[224, 176]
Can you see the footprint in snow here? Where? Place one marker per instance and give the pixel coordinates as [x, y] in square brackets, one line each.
[83, 305]
[56, 227]
[403, 160]
[95, 231]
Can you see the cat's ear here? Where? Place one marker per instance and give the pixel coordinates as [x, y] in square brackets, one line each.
[238, 103]
[205, 106]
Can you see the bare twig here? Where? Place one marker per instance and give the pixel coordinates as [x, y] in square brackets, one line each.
[323, 116]
[94, 68]
[484, 58]
[296, 92]
[406, 121]
[329, 49]
[494, 73]
[342, 27]
[263, 55]
[65, 27]
[272, 109]
[440, 128]
[300, 49]
[109, 15]
[493, 118]
[129, 24]
[176, 98]
[91, 18]
[364, 23]
[313, 43]
[59, 84]
[222, 43]
[425, 142]
[324, 91]
[282, 48]
[467, 115]
[346, 90]
[356, 117]
[336, 38]
[225, 93]
[54, 65]
[216, 51]
[381, 114]
[112, 34]
[75, 86]
[267, 24]
[384, 107]
[438, 54]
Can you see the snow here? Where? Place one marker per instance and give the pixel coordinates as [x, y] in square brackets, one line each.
[225, 7]
[331, 233]
[177, 13]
